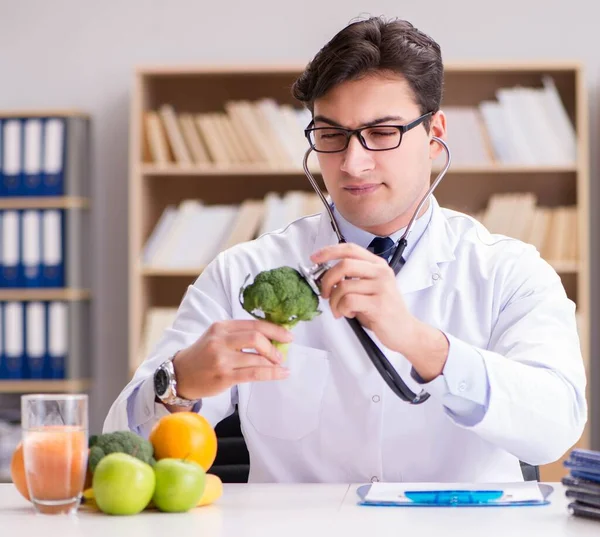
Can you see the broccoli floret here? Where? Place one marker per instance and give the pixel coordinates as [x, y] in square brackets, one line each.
[281, 296]
[119, 442]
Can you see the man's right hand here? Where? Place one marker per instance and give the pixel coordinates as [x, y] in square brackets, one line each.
[215, 362]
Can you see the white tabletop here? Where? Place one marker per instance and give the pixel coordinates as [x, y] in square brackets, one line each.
[301, 510]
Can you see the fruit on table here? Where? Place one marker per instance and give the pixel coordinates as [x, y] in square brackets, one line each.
[123, 484]
[213, 490]
[185, 435]
[119, 442]
[17, 471]
[179, 485]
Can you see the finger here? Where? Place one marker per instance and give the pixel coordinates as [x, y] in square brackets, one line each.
[352, 304]
[251, 339]
[242, 360]
[343, 251]
[361, 287]
[348, 268]
[259, 374]
[269, 330]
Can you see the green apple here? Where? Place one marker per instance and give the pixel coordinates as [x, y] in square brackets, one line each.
[179, 485]
[123, 484]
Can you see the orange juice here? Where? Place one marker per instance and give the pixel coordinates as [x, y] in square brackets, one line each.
[55, 466]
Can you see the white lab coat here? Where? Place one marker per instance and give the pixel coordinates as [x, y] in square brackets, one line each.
[335, 420]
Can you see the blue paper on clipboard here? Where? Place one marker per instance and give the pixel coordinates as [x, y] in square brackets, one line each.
[454, 495]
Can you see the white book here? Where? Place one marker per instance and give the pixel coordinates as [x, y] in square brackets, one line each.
[160, 231]
[495, 123]
[559, 118]
[274, 213]
[518, 131]
[271, 112]
[169, 245]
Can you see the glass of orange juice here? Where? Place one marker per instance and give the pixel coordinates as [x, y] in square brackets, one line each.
[55, 450]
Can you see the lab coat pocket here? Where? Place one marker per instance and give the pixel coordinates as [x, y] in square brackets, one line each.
[290, 409]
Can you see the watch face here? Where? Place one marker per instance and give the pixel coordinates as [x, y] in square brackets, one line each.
[161, 382]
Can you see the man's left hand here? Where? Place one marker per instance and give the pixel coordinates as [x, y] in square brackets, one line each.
[363, 285]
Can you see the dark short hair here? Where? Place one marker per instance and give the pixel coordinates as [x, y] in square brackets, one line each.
[376, 45]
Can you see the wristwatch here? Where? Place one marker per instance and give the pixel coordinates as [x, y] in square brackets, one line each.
[165, 385]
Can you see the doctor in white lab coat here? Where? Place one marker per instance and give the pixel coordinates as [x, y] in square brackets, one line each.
[479, 321]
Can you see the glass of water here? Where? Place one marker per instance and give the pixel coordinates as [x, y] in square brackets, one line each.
[55, 450]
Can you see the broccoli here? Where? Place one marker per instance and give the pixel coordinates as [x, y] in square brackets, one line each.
[280, 296]
[119, 442]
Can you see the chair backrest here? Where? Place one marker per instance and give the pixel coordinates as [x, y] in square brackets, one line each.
[232, 464]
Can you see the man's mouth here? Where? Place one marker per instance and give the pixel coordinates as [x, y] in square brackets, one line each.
[361, 189]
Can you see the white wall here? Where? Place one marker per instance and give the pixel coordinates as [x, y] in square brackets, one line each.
[81, 53]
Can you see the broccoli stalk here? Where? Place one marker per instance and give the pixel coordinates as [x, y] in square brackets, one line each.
[281, 296]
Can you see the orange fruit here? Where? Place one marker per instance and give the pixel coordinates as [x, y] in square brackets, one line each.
[17, 471]
[213, 490]
[184, 435]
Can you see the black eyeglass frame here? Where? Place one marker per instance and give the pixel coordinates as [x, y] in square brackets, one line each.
[403, 129]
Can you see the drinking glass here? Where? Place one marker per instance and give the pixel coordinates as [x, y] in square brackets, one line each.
[55, 450]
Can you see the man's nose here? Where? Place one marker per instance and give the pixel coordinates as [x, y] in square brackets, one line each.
[357, 159]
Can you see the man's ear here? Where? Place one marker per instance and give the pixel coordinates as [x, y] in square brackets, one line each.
[437, 128]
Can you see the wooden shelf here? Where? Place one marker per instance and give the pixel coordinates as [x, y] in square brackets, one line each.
[468, 188]
[44, 112]
[65, 202]
[44, 294]
[562, 267]
[157, 271]
[44, 386]
[152, 170]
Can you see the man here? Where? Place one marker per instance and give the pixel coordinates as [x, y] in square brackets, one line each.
[479, 321]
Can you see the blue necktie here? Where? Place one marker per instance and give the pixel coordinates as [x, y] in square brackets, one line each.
[382, 246]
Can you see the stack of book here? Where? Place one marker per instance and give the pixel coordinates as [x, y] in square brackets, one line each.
[553, 231]
[190, 235]
[583, 483]
[244, 133]
[524, 126]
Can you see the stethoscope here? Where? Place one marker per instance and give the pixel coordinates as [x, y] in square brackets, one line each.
[314, 273]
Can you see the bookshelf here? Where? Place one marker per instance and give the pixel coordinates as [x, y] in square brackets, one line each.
[62, 188]
[469, 186]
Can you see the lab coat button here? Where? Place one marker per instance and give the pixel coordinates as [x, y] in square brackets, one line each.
[462, 386]
[147, 411]
[375, 399]
[436, 276]
[374, 479]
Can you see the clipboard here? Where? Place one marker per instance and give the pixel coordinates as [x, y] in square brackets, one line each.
[477, 496]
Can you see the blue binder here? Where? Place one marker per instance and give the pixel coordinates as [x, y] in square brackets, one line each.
[479, 496]
[12, 157]
[35, 340]
[10, 243]
[53, 248]
[32, 156]
[55, 147]
[31, 247]
[14, 341]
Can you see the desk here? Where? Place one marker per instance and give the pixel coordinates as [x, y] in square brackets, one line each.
[300, 510]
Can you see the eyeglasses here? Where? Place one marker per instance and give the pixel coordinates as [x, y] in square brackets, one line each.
[375, 138]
